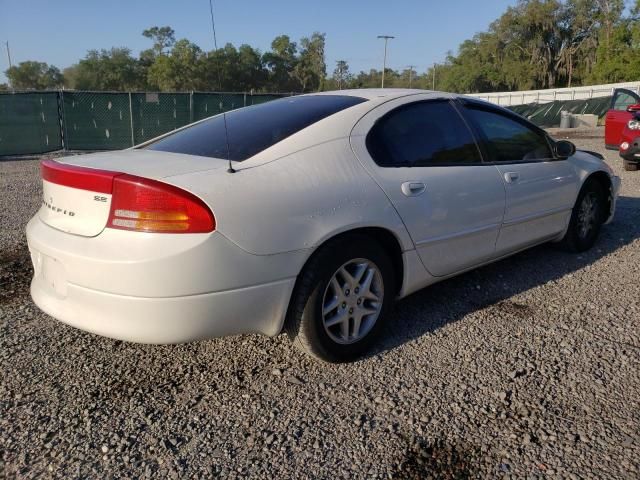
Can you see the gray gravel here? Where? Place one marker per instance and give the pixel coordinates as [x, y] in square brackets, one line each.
[525, 368]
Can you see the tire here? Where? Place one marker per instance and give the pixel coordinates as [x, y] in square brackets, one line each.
[580, 237]
[323, 283]
[630, 166]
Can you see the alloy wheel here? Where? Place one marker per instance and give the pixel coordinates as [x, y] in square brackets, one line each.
[352, 301]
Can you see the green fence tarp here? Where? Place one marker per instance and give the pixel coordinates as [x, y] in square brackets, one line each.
[209, 104]
[158, 113]
[548, 114]
[37, 122]
[261, 98]
[96, 121]
[29, 123]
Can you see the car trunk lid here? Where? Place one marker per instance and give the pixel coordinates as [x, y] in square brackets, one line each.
[77, 191]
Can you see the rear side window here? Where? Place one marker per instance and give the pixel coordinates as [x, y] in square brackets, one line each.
[509, 140]
[253, 129]
[422, 134]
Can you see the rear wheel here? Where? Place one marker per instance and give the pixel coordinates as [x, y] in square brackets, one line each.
[630, 166]
[341, 299]
[587, 217]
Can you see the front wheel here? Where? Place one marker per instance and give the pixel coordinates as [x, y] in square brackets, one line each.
[630, 166]
[587, 217]
[341, 299]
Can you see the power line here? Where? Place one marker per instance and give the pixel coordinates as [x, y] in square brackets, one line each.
[213, 25]
[230, 169]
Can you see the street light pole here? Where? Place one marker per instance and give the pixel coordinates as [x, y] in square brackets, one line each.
[384, 61]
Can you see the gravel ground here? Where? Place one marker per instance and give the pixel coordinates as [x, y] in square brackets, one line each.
[525, 368]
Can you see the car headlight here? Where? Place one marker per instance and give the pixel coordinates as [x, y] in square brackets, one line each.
[634, 124]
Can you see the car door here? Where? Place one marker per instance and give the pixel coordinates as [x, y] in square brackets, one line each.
[422, 154]
[540, 188]
[618, 116]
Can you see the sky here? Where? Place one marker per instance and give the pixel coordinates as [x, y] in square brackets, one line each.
[61, 32]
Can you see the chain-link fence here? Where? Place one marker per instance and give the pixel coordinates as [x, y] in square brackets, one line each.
[39, 122]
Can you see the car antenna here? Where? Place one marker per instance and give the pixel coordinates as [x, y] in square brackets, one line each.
[230, 169]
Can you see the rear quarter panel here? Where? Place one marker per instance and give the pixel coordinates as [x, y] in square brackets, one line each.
[297, 201]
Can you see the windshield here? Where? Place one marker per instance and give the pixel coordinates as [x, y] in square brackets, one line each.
[253, 129]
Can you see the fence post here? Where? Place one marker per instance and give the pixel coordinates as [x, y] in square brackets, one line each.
[245, 99]
[191, 107]
[61, 120]
[131, 120]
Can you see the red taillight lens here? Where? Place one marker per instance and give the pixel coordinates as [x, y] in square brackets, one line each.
[146, 205]
[77, 177]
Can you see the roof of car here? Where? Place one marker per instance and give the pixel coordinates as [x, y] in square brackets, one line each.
[371, 93]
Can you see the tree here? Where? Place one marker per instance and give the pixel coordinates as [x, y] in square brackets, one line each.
[181, 69]
[310, 69]
[280, 62]
[545, 44]
[341, 75]
[618, 51]
[34, 75]
[113, 69]
[163, 39]
[251, 72]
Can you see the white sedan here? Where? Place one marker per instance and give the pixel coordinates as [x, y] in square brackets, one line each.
[310, 214]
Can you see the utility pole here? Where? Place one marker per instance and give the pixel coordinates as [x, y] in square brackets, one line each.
[8, 52]
[339, 63]
[384, 61]
[9, 57]
[410, 67]
[434, 76]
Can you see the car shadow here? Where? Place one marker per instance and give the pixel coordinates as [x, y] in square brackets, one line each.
[494, 285]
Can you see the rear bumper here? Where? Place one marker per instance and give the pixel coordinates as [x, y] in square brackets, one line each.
[159, 288]
[256, 309]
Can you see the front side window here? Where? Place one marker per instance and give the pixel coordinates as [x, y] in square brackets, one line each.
[251, 130]
[422, 134]
[623, 100]
[509, 140]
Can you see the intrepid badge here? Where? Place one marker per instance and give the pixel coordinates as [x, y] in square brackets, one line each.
[53, 208]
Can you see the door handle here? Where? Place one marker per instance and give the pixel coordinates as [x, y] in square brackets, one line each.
[511, 177]
[413, 189]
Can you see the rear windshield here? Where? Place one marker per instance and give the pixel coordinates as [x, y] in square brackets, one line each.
[253, 129]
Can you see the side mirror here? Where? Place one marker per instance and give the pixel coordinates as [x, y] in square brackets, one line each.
[634, 108]
[564, 149]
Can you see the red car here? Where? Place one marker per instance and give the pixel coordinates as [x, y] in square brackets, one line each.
[622, 127]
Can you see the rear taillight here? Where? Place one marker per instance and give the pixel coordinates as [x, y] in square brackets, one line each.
[146, 205]
[137, 203]
[77, 177]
